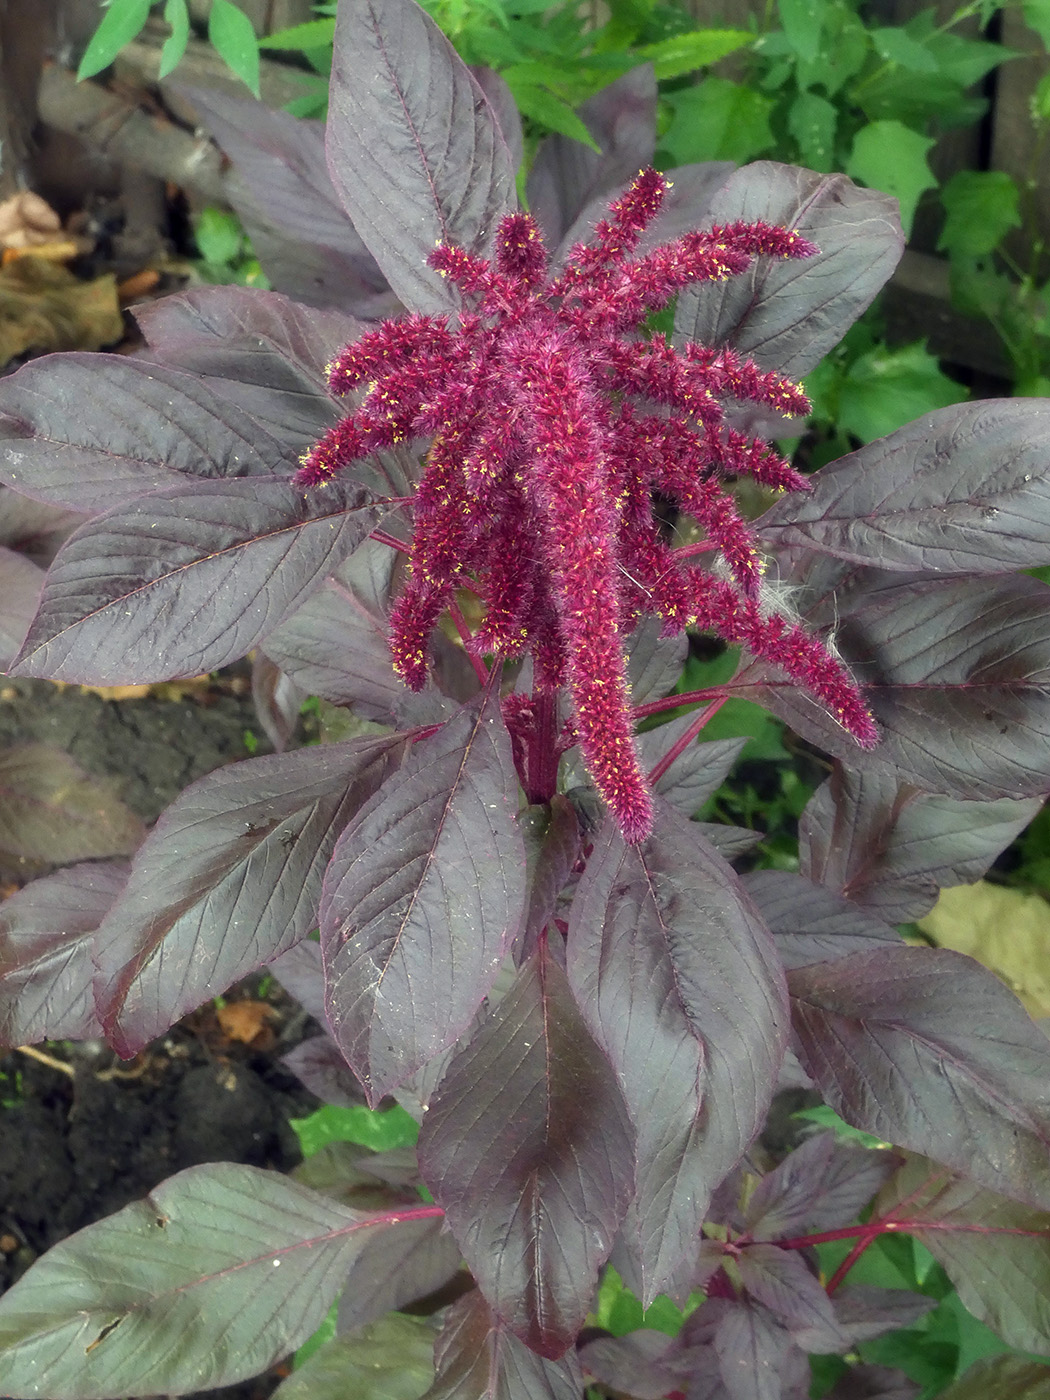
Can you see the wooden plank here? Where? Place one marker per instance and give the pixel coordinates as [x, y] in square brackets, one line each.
[1017, 146]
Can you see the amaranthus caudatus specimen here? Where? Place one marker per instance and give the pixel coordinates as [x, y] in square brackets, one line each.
[554, 424]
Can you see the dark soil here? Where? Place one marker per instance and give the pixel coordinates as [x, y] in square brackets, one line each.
[79, 1143]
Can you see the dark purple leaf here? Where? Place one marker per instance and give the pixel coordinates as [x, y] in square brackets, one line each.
[89, 431]
[963, 490]
[890, 848]
[228, 879]
[233, 1269]
[644, 1364]
[301, 974]
[882, 1383]
[186, 580]
[568, 178]
[993, 1378]
[995, 1251]
[553, 843]
[397, 1267]
[654, 663]
[477, 1359]
[52, 811]
[822, 1185]
[33, 528]
[318, 1064]
[421, 900]
[784, 313]
[679, 982]
[753, 1352]
[337, 644]
[20, 584]
[504, 110]
[390, 1359]
[865, 1312]
[528, 1147]
[257, 350]
[927, 1049]
[45, 953]
[399, 92]
[811, 923]
[697, 773]
[730, 841]
[278, 701]
[957, 672]
[781, 1281]
[283, 194]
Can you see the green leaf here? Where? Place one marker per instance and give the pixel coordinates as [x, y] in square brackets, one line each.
[540, 105]
[803, 21]
[221, 1271]
[982, 206]
[314, 34]
[121, 22]
[178, 16]
[392, 1359]
[1037, 16]
[380, 1129]
[219, 235]
[889, 156]
[718, 120]
[233, 38]
[884, 389]
[812, 121]
[684, 53]
[897, 46]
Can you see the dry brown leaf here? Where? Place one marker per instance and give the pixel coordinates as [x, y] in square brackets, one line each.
[245, 1021]
[1007, 931]
[44, 307]
[27, 220]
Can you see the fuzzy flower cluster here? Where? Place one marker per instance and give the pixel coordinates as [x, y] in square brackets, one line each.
[554, 425]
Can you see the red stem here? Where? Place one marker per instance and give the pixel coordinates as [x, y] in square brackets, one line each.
[704, 717]
[541, 762]
[465, 634]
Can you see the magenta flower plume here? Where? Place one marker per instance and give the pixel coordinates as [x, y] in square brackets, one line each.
[553, 423]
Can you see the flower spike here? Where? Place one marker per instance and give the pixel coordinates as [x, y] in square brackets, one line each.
[554, 425]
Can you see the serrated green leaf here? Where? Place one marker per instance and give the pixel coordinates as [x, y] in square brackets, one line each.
[812, 121]
[803, 22]
[540, 105]
[314, 34]
[178, 16]
[233, 39]
[718, 120]
[885, 389]
[684, 53]
[889, 156]
[982, 207]
[120, 24]
[1037, 16]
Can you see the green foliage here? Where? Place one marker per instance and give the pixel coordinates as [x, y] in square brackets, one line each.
[981, 206]
[120, 24]
[177, 15]
[233, 39]
[887, 155]
[379, 1129]
[226, 254]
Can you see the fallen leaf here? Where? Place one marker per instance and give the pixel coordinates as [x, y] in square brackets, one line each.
[1007, 931]
[27, 220]
[245, 1021]
[44, 307]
